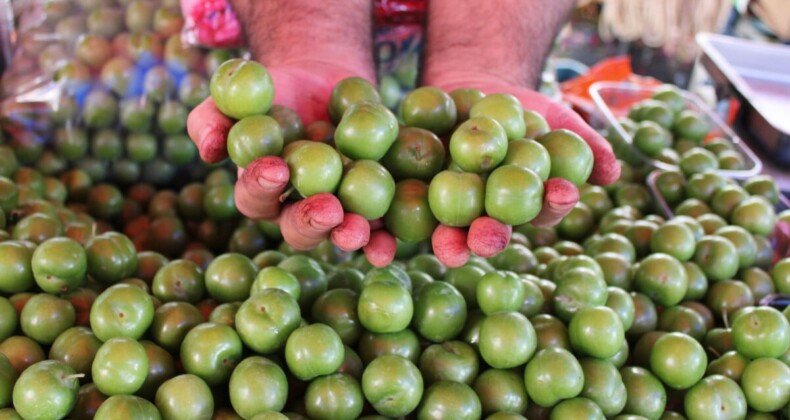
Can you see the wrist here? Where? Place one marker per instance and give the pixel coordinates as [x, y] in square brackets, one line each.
[341, 63]
[450, 78]
[288, 32]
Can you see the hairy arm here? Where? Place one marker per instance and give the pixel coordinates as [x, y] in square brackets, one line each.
[505, 39]
[291, 32]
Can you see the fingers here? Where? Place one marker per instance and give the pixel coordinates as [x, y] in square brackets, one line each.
[559, 197]
[380, 250]
[488, 237]
[606, 170]
[450, 245]
[259, 187]
[352, 234]
[208, 128]
[307, 222]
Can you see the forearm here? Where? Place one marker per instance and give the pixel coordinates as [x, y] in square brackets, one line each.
[280, 32]
[507, 40]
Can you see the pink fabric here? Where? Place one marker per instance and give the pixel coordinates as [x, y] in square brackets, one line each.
[211, 23]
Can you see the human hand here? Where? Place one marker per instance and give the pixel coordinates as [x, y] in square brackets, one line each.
[304, 87]
[486, 237]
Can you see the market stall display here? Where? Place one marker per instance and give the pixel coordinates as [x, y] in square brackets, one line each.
[659, 125]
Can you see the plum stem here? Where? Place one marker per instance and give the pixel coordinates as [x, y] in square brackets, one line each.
[712, 350]
[285, 195]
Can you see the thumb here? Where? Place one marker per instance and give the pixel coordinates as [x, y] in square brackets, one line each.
[208, 128]
[559, 197]
[307, 222]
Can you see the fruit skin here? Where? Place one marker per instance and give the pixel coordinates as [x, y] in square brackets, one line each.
[755, 214]
[366, 131]
[766, 384]
[646, 395]
[505, 109]
[623, 305]
[111, 257]
[507, 339]
[675, 239]
[501, 390]
[127, 407]
[552, 375]
[603, 385]
[456, 198]
[716, 396]
[253, 137]
[415, 154]
[241, 88]
[761, 332]
[429, 108]
[120, 366]
[571, 157]
[184, 396]
[385, 307]
[650, 138]
[578, 288]
[229, 277]
[257, 385]
[678, 360]
[337, 308]
[121, 310]
[597, 331]
[690, 125]
[498, 291]
[663, 278]
[409, 216]
[717, 257]
[266, 319]
[348, 92]
[730, 364]
[393, 385]
[744, 243]
[367, 189]
[449, 361]
[16, 274]
[8, 377]
[780, 275]
[403, 343]
[313, 351]
[211, 351]
[315, 168]
[451, 400]
[336, 396]
[439, 312]
[59, 265]
[513, 195]
[530, 154]
[45, 316]
[576, 408]
[46, 390]
[179, 280]
[478, 145]
[464, 100]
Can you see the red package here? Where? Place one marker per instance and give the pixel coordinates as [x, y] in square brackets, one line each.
[391, 12]
[399, 39]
